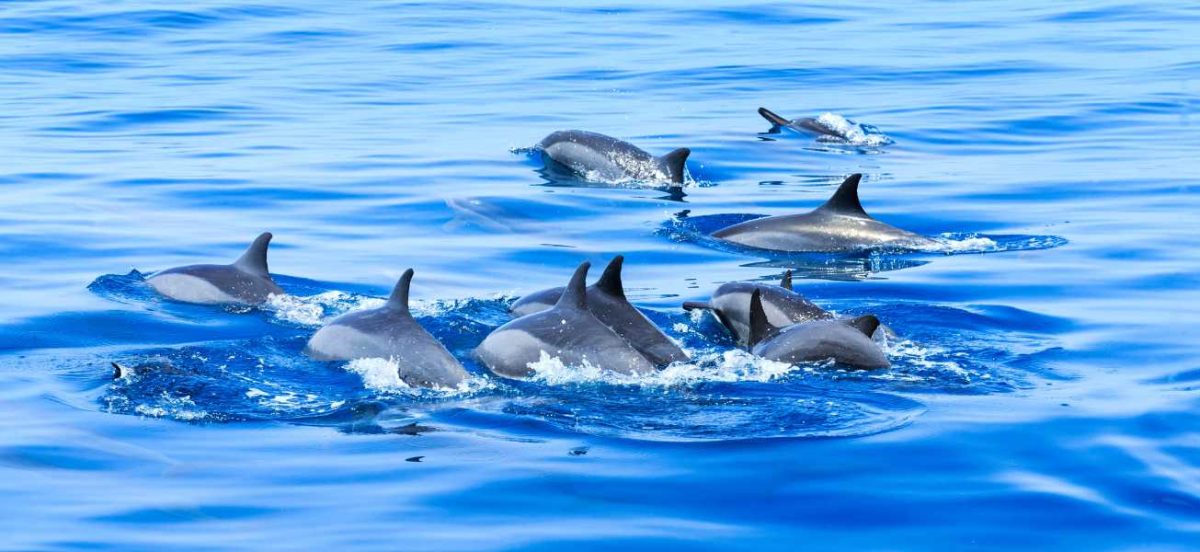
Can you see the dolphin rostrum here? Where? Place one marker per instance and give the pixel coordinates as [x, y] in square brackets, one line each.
[567, 331]
[840, 224]
[389, 332]
[847, 342]
[599, 157]
[246, 281]
[606, 300]
[784, 307]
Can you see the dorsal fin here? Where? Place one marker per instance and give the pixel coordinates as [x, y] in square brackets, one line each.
[760, 328]
[610, 281]
[845, 199]
[865, 324]
[675, 164]
[575, 294]
[772, 117]
[399, 298]
[786, 282]
[254, 260]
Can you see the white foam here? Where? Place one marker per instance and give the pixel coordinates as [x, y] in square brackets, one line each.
[728, 366]
[314, 310]
[849, 132]
[179, 408]
[383, 375]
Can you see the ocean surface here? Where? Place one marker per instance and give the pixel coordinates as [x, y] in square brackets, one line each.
[1045, 388]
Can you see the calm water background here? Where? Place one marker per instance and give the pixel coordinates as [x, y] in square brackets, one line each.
[1044, 396]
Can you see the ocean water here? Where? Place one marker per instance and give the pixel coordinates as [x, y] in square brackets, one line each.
[1045, 391]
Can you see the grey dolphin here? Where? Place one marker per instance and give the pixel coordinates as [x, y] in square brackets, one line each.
[784, 307]
[389, 332]
[847, 342]
[840, 224]
[567, 331]
[246, 281]
[606, 300]
[806, 124]
[607, 158]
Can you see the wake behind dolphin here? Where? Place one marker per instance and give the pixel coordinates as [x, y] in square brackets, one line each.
[603, 158]
[840, 224]
[246, 281]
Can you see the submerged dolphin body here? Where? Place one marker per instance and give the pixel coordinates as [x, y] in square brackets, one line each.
[829, 128]
[389, 332]
[246, 281]
[567, 331]
[840, 224]
[606, 300]
[601, 157]
[805, 124]
[784, 307]
[847, 342]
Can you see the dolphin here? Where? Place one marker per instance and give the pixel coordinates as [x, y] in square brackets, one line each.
[840, 224]
[829, 128]
[847, 342]
[601, 157]
[389, 332]
[567, 331]
[245, 282]
[806, 124]
[606, 300]
[784, 307]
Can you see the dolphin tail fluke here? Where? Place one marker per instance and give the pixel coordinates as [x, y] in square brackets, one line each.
[610, 281]
[696, 305]
[866, 324]
[399, 298]
[254, 260]
[676, 164]
[771, 116]
[575, 294]
[760, 328]
[845, 199]
[786, 282]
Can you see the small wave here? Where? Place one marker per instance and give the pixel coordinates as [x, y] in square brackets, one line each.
[846, 131]
[959, 243]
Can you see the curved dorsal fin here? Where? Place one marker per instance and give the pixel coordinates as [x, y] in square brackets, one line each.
[786, 282]
[399, 298]
[254, 260]
[675, 163]
[760, 328]
[772, 117]
[575, 294]
[610, 281]
[845, 199]
[866, 324]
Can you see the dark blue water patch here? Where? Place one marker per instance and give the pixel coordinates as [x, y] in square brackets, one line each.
[133, 24]
[73, 63]
[137, 120]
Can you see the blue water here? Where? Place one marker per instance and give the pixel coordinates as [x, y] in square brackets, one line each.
[1046, 383]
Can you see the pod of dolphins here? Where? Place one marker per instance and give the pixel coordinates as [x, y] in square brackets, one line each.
[582, 325]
